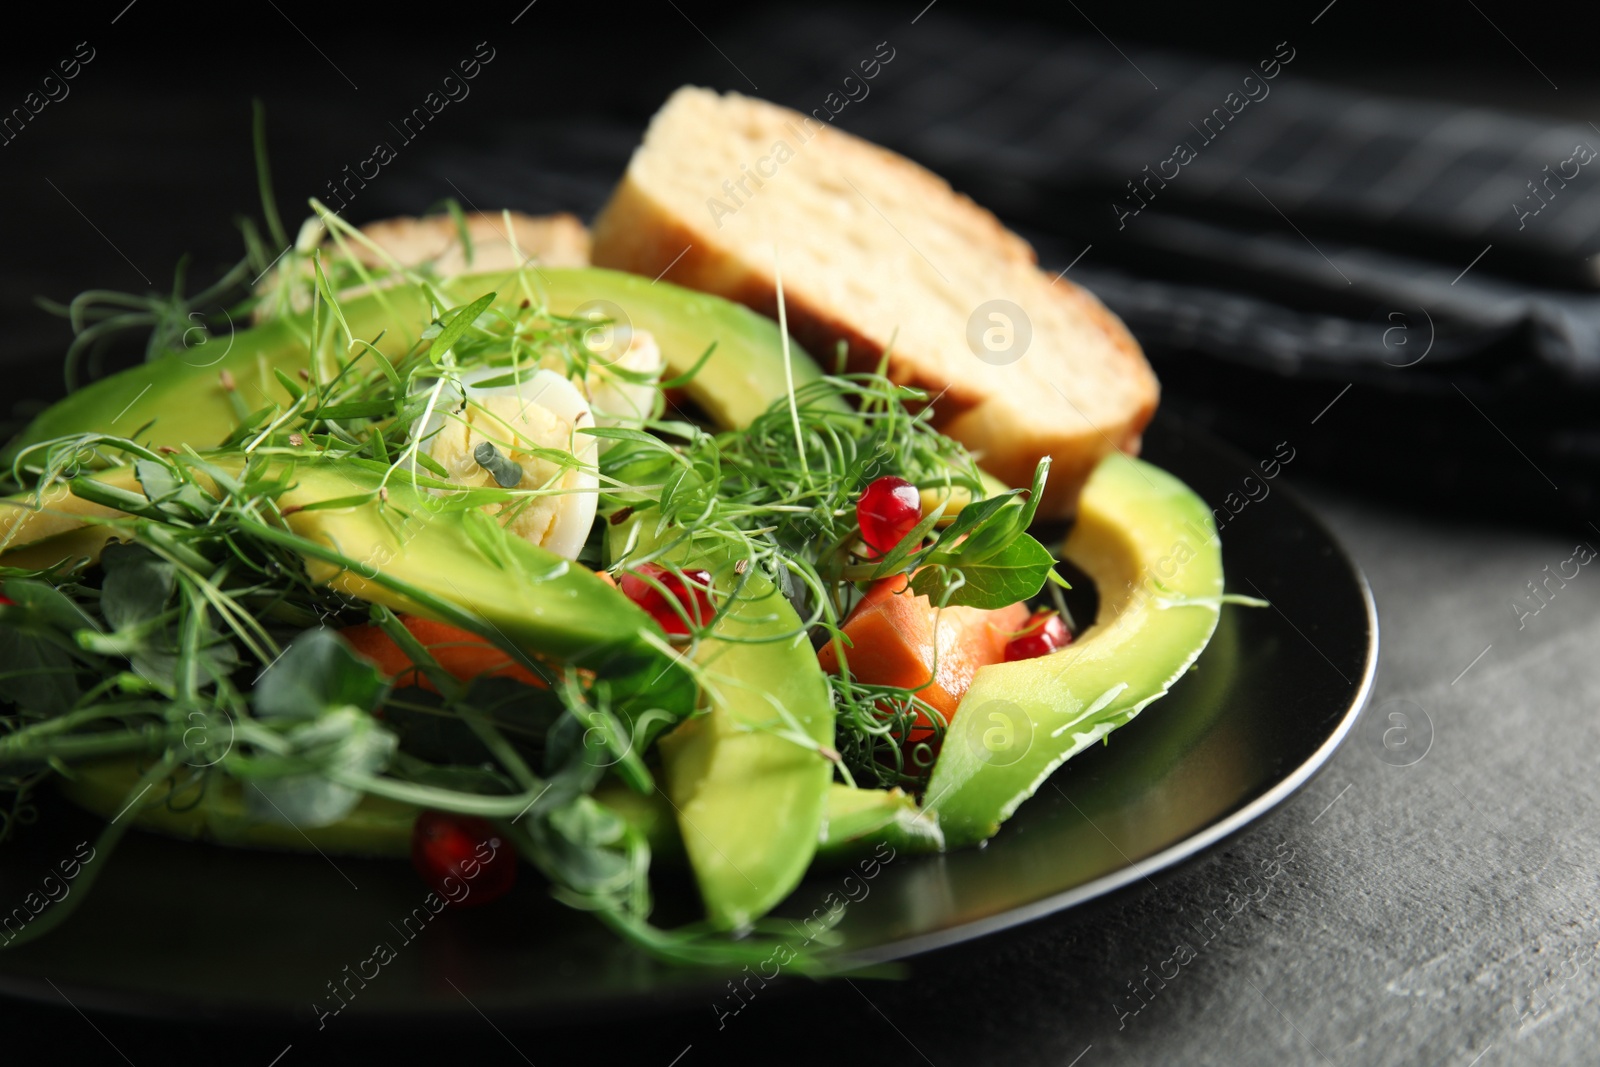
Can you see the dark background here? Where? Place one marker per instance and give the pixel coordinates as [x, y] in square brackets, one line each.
[1441, 912]
[149, 158]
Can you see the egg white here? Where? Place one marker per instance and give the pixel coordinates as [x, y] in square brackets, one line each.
[615, 401]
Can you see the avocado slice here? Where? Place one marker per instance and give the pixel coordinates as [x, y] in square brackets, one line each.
[377, 827]
[856, 821]
[861, 819]
[182, 391]
[1151, 548]
[415, 554]
[750, 802]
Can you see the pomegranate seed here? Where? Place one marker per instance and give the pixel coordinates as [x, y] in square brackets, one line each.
[888, 510]
[462, 857]
[1044, 634]
[688, 592]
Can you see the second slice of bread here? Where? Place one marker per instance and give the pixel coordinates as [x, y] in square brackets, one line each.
[500, 241]
[881, 254]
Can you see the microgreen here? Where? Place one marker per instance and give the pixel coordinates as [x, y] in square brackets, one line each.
[203, 621]
[507, 475]
[778, 499]
[169, 617]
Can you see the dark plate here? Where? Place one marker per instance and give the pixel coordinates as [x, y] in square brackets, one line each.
[186, 930]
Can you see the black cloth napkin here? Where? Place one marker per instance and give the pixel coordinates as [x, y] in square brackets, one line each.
[1270, 239]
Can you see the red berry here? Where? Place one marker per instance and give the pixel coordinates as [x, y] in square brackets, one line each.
[6, 601]
[690, 592]
[1044, 634]
[888, 510]
[462, 857]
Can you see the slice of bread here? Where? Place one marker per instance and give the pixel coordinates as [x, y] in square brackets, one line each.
[435, 240]
[548, 240]
[882, 255]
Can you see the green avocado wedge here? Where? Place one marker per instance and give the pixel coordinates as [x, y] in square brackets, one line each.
[181, 398]
[1151, 548]
[748, 778]
[378, 826]
[861, 819]
[750, 803]
[857, 820]
[411, 551]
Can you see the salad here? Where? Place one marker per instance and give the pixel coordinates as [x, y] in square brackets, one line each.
[552, 568]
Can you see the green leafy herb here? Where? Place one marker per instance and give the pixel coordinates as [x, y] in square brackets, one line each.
[206, 625]
[459, 324]
[1015, 572]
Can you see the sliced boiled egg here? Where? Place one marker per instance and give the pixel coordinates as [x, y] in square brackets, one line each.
[488, 436]
[615, 399]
